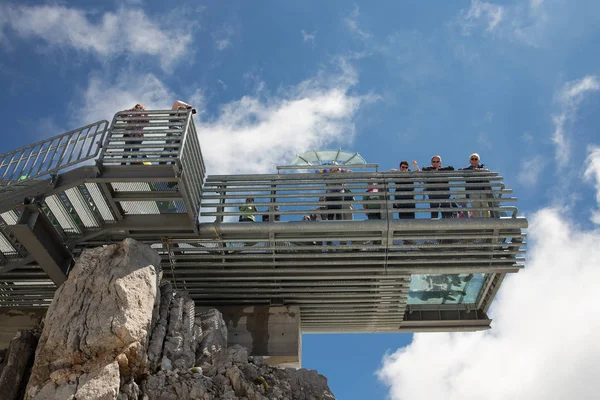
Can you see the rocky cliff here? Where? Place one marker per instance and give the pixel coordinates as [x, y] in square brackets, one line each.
[115, 331]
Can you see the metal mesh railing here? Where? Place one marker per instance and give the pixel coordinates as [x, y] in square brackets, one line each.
[193, 168]
[160, 137]
[357, 196]
[146, 137]
[19, 167]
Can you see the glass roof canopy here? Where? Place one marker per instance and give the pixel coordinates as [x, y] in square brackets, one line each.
[328, 157]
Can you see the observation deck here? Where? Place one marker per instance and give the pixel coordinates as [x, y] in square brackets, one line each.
[144, 177]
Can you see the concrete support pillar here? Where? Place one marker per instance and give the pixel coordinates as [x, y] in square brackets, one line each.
[269, 331]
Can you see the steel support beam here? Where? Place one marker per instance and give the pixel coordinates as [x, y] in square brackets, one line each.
[36, 233]
[9, 266]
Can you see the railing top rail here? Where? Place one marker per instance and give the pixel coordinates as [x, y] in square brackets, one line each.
[51, 155]
[29, 146]
[347, 176]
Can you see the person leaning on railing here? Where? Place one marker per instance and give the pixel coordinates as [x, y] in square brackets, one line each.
[248, 210]
[436, 165]
[476, 196]
[138, 107]
[337, 188]
[182, 107]
[406, 193]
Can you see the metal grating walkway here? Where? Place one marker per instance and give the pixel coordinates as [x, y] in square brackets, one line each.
[350, 274]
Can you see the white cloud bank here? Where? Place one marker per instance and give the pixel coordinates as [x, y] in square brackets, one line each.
[254, 133]
[249, 135]
[103, 98]
[569, 98]
[544, 340]
[126, 31]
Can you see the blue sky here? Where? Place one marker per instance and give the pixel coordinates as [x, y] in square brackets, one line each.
[516, 81]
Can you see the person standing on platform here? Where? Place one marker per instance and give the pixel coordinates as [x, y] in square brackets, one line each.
[436, 166]
[137, 108]
[174, 138]
[476, 196]
[248, 210]
[405, 193]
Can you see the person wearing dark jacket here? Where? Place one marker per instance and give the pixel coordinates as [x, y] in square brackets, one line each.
[476, 187]
[436, 165]
[405, 193]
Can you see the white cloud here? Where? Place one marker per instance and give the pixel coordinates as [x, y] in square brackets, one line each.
[223, 37]
[569, 99]
[104, 97]
[531, 169]
[481, 12]
[544, 339]
[222, 44]
[524, 23]
[352, 24]
[249, 135]
[592, 173]
[223, 84]
[257, 132]
[308, 37]
[126, 31]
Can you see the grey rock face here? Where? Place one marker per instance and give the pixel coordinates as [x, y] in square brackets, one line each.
[160, 328]
[214, 337]
[98, 323]
[113, 332]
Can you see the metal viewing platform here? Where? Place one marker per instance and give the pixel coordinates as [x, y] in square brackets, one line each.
[144, 178]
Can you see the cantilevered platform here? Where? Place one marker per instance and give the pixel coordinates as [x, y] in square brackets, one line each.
[100, 185]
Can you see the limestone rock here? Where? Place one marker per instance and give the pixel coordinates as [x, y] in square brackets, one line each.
[101, 384]
[100, 318]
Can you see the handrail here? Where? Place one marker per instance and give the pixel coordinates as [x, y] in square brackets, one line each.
[49, 156]
[154, 137]
[149, 136]
[299, 193]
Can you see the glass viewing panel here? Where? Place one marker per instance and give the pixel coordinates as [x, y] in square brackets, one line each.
[445, 289]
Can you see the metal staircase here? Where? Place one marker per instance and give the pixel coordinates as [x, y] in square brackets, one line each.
[354, 274]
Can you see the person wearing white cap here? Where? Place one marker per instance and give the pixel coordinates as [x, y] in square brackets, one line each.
[178, 105]
[476, 196]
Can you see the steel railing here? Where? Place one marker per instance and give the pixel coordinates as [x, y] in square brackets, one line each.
[146, 137]
[193, 169]
[319, 195]
[43, 159]
[158, 137]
